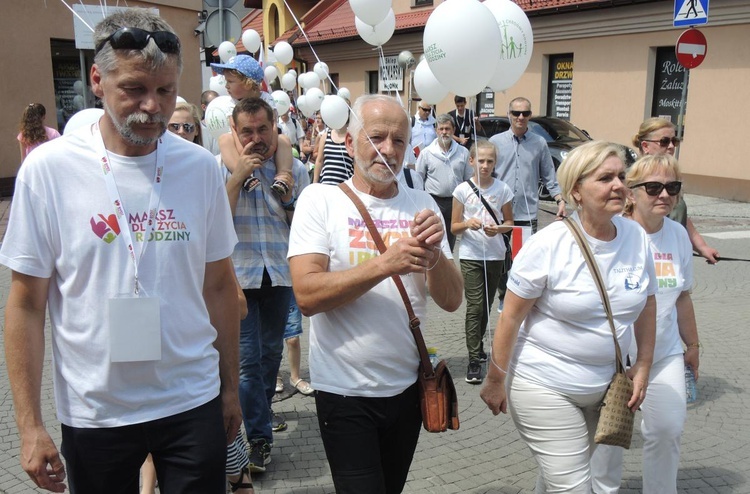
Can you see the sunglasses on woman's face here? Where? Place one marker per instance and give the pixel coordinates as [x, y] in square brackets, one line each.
[133, 38]
[655, 188]
[664, 141]
[187, 127]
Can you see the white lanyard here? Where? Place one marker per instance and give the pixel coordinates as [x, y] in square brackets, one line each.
[120, 211]
[463, 121]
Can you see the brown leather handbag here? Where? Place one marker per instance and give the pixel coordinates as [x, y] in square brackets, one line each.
[437, 393]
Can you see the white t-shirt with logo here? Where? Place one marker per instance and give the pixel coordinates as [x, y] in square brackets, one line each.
[475, 245]
[673, 262]
[63, 227]
[565, 342]
[365, 347]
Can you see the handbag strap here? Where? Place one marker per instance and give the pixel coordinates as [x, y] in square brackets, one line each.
[484, 202]
[413, 319]
[594, 268]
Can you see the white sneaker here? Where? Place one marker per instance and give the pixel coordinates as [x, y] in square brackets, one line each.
[500, 306]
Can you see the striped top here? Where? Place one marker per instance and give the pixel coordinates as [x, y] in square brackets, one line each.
[337, 164]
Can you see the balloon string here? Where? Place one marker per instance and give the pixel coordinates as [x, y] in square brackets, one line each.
[76, 14]
[351, 111]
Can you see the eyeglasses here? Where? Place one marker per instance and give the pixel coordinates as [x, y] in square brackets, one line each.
[664, 141]
[655, 188]
[518, 113]
[187, 127]
[425, 109]
[133, 38]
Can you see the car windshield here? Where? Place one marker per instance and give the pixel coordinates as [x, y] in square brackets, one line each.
[557, 130]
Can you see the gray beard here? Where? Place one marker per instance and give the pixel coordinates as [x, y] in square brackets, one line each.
[126, 129]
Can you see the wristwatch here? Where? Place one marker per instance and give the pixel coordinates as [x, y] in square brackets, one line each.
[558, 201]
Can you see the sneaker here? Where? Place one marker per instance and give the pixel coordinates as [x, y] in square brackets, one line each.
[474, 373]
[482, 356]
[279, 384]
[280, 187]
[278, 423]
[500, 306]
[259, 455]
[251, 184]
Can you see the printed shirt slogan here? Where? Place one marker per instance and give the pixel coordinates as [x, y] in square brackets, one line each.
[167, 227]
[361, 245]
[665, 271]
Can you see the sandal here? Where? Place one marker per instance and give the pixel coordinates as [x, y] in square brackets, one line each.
[251, 184]
[280, 187]
[302, 386]
[240, 484]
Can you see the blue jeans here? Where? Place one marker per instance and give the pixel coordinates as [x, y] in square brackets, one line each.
[261, 346]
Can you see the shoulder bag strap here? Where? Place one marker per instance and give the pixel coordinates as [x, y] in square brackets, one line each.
[484, 202]
[594, 268]
[413, 319]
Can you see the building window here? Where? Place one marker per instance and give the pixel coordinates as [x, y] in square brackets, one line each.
[332, 87]
[421, 3]
[560, 86]
[372, 81]
[669, 76]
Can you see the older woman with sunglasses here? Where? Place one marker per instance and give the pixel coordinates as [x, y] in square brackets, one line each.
[658, 136]
[185, 122]
[655, 185]
[553, 354]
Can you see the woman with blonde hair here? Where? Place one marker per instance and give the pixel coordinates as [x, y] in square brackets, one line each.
[659, 136]
[186, 122]
[32, 131]
[655, 184]
[553, 354]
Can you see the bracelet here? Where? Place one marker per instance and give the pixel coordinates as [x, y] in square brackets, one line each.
[436, 262]
[492, 359]
[285, 205]
[693, 345]
[558, 201]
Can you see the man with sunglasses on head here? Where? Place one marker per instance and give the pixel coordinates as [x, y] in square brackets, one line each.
[124, 231]
[523, 158]
[423, 127]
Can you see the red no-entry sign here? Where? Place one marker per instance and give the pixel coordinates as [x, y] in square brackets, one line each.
[691, 48]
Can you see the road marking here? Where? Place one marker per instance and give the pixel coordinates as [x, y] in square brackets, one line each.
[729, 235]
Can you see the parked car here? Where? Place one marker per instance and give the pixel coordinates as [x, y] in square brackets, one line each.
[561, 136]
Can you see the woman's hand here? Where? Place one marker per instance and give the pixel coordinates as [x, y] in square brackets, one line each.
[692, 359]
[493, 394]
[639, 374]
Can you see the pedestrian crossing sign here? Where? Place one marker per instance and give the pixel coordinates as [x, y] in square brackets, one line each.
[690, 12]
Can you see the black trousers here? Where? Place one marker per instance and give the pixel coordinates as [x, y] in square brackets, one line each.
[189, 451]
[369, 442]
[446, 207]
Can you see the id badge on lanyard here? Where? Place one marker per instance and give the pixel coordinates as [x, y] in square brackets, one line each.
[134, 320]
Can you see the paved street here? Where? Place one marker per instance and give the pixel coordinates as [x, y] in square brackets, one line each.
[486, 455]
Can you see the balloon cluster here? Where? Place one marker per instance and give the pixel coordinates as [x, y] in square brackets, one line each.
[494, 52]
[374, 20]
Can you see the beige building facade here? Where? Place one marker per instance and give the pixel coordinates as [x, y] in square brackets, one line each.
[41, 63]
[618, 70]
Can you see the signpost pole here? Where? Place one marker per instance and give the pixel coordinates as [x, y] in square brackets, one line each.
[681, 118]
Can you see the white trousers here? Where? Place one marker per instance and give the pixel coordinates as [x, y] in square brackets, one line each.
[664, 413]
[559, 429]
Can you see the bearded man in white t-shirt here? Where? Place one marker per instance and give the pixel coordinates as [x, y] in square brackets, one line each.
[124, 231]
[363, 357]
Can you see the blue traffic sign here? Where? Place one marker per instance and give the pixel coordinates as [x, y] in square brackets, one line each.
[690, 12]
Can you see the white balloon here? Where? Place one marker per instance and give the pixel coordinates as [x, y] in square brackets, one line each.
[308, 80]
[314, 97]
[288, 81]
[321, 69]
[283, 52]
[218, 112]
[78, 103]
[180, 99]
[78, 87]
[281, 99]
[270, 73]
[372, 12]
[251, 40]
[427, 85]
[219, 84]
[335, 111]
[302, 106]
[227, 50]
[82, 118]
[462, 63]
[379, 34]
[517, 43]
[344, 93]
[293, 72]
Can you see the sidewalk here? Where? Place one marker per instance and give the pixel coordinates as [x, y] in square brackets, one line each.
[486, 455]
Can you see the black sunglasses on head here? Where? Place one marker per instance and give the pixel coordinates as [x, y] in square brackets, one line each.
[133, 38]
[664, 141]
[187, 127]
[518, 113]
[655, 188]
